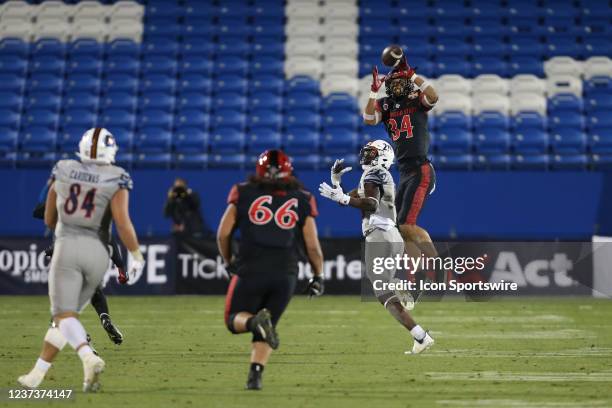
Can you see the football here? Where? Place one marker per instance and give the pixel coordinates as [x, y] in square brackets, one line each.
[392, 55]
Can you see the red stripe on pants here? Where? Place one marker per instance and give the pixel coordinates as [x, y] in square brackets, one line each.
[228, 297]
[419, 195]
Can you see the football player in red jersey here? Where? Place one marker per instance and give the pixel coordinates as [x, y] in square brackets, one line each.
[404, 114]
[273, 213]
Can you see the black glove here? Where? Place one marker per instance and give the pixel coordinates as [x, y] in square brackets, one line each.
[316, 286]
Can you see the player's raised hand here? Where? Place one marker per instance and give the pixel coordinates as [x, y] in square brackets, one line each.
[405, 70]
[377, 80]
[316, 286]
[334, 193]
[337, 170]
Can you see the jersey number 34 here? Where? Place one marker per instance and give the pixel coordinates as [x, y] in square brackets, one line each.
[284, 217]
[406, 127]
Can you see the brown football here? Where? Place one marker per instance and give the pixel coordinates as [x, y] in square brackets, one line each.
[392, 55]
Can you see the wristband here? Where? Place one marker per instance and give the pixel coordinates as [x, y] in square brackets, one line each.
[367, 116]
[137, 255]
[373, 95]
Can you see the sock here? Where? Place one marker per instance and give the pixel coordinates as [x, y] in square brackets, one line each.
[42, 365]
[85, 351]
[250, 324]
[257, 367]
[98, 301]
[418, 333]
[73, 331]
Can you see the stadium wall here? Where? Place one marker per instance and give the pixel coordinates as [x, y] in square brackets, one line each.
[474, 205]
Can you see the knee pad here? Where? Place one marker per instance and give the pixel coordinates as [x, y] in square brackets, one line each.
[230, 323]
[55, 338]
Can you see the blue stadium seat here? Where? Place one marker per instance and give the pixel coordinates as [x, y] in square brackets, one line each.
[232, 65]
[158, 29]
[156, 64]
[303, 84]
[47, 64]
[124, 160]
[599, 100]
[118, 100]
[164, 11]
[8, 139]
[10, 100]
[530, 142]
[451, 48]
[492, 141]
[158, 83]
[450, 31]
[235, 47]
[231, 83]
[568, 141]
[454, 120]
[453, 162]
[453, 141]
[193, 117]
[157, 100]
[227, 140]
[124, 139]
[195, 29]
[305, 162]
[202, 10]
[153, 140]
[68, 139]
[82, 118]
[14, 47]
[301, 141]
[599, 118]
[155, 118]
[227, 161]
[197, 48]
[303, 100]
[230, 29]
[161, 46]
[37, 139]
[228, 118]
[9, 119]
[190, 161]
[265, 118]
[302, 118]
[125, 48]
[8, 160]
[152, 160]
[483, 27]
[488, 47]
[340, 101]
[565, 102]
[341, 118]
[598, 84]
[267, 66]
[562, 45]
[48, 46]
[195, 83]
[268, 83]
[83, 83]
[268, 48]
[196, 65]
[86, 48]
[37, 160]
[84, 65]
[117, 118]
[527, 48]
[492, 162]
[43, 100]
[78, 100]
[530, 162]
[190, 140]
[261, 139]
[122, 65]
[594, 46]
[372, 48]
[569, 162]
[45, 82]
[194, 100]
[326, 161]
[13, 65]
[528, 120]
[453, 65]
[601, 162]
[426, 50]
[231, 100]
[266, 100]
[525, 65]
[41, 118]
[490, 65]
[339, 140]
[566, 119]
[490, 120]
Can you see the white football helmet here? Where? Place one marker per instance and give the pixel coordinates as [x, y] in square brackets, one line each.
[376, 153]
[98, 146]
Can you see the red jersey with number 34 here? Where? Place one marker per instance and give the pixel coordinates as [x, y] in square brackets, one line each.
[270, 224]
[406, 123]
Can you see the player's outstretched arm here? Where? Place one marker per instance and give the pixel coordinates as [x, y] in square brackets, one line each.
[50, 208]
[370, 116]
[431, 96]
[224, 233]
[368, 203]
[125, 229]
[313, 246]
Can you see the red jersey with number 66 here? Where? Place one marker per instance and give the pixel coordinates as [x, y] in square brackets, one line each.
[406, 123]
[270, 224]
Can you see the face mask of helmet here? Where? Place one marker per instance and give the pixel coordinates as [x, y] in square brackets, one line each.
[367, 155]
[398, 87]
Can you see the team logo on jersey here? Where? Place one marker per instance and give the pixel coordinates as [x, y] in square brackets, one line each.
[385, 106]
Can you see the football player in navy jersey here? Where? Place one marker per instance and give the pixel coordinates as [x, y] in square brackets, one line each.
[275, 216]
[404, 113]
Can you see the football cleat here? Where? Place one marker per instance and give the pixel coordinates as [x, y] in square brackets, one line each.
[254, 381]
[32, 379]
[93, 366]
[420, 346]
[263, 325]
[113, 332]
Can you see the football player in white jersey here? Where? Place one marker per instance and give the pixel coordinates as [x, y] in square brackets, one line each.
[83, 199]
[375, 197]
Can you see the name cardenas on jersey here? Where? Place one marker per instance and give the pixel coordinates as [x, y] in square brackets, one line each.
[29, 264]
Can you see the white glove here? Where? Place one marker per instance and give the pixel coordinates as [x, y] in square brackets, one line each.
[335, 194]
[337, 171]
[136, 266]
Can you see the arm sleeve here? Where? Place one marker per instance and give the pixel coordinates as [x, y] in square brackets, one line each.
[425, 105]
[232, 197]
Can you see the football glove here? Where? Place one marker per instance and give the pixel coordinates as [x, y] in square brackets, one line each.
[136, 266]
[404, 69]
[316, 286]
[335, 194]
[377, 81]
[337, 170]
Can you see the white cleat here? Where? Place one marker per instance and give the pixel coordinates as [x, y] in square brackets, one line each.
[92, 367]
[32, 379]
[420, 347]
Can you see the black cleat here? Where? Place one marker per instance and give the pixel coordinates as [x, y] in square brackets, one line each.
[262, 322]
[254, 380]
[113, 332]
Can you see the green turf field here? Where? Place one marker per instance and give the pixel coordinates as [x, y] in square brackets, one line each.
[335, 352]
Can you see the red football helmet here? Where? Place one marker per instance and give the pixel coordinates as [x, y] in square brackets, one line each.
[274, 164]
